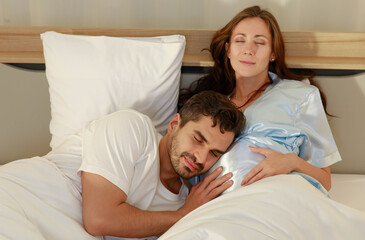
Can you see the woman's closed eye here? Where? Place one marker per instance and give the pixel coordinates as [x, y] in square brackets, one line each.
[239, 39]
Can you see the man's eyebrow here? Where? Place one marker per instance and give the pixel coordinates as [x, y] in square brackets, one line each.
[205, 140]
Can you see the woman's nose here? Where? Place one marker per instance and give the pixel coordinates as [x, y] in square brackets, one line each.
[248, 49]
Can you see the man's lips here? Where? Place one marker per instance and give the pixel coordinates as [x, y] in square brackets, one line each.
[190, 164]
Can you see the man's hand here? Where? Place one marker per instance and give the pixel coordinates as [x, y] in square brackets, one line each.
[206, 190]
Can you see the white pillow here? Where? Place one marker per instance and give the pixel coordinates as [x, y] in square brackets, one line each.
[91, 76]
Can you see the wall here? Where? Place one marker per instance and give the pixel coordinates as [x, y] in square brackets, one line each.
[325, 15]
[25, 114]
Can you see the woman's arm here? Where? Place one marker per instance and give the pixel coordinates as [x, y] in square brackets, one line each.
[279, 163]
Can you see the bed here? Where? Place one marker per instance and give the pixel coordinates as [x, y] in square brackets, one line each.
[279, 207]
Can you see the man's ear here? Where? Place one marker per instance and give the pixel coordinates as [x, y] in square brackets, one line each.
[174, 123]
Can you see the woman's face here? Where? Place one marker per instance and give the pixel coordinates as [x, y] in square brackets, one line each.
[250, 48]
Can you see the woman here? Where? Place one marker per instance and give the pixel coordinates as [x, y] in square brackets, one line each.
[286, 121]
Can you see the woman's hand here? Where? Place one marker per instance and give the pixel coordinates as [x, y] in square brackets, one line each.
[274, 163]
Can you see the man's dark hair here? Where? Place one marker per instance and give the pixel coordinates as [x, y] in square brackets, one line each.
[218, 107]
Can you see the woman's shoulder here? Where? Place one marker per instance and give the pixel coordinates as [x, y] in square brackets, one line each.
[290, 91]
[296, 85]
[278, 82]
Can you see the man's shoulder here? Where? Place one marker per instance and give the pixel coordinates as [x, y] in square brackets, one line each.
[125, 115]
[126, 121]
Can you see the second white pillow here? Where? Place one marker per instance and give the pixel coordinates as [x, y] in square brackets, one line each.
[91, 76]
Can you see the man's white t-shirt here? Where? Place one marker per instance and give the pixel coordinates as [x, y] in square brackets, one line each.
[122, 147]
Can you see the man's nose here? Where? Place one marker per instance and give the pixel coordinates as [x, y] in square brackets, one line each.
[201, 156]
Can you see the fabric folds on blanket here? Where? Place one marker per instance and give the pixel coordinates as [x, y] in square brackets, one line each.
[279, 207]
[38, 202]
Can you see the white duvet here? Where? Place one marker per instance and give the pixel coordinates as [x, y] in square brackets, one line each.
[279, 207]
[37, 201]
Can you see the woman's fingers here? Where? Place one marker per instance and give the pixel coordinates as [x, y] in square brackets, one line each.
[257, 177]
[254, 171]
[264, 151]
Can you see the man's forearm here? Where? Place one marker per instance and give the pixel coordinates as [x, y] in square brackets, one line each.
[128, 221]
[105, 211]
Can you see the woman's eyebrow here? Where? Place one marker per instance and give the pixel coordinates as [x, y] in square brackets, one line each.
[261, 36]
[256, 36]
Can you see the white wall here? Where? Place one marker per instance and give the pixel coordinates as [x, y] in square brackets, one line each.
[25, 114]
[326, 15]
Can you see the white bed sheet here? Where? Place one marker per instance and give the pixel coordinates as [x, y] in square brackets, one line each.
[349, 189]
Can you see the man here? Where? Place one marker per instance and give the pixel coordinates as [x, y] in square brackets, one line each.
[132, 177]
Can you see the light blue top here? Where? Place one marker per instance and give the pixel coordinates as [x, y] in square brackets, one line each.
[289, 118]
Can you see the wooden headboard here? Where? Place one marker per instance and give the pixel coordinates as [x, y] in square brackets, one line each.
[309, 50]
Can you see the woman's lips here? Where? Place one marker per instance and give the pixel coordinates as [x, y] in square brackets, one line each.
[247, 63]
[190, 164]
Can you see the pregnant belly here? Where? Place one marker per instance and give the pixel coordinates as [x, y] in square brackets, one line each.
[239, 160]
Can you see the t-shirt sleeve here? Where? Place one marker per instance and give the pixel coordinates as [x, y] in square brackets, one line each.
[319, 147]
[112, 147]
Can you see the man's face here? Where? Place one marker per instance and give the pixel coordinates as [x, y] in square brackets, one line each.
[197, 146]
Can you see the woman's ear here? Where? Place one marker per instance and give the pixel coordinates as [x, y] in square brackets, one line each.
[272, 57]
[227, 50]
[174, 123]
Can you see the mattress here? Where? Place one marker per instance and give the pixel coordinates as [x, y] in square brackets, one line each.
[349, 189]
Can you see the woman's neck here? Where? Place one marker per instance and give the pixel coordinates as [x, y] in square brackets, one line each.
[248, 90]
[247, 85]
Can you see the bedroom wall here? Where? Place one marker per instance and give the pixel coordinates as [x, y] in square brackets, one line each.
[291, 14]
[25, 114]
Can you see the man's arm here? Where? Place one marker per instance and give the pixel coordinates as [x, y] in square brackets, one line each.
[105, 211]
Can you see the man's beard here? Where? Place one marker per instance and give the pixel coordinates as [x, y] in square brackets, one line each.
[176, 158]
